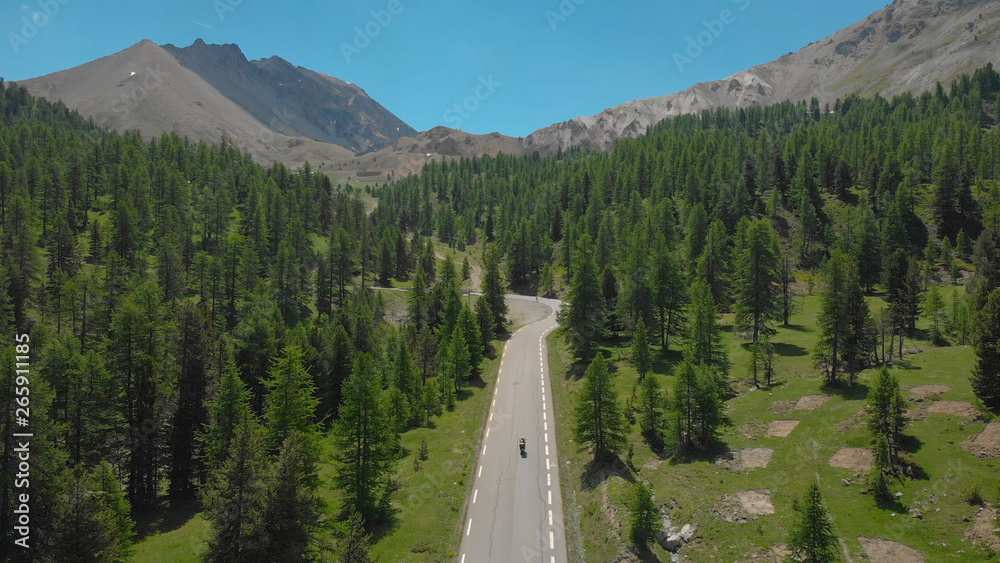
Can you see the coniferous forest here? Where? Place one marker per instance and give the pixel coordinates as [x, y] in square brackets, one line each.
[202, 327]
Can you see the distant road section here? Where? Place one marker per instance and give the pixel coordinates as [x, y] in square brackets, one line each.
[515, 511]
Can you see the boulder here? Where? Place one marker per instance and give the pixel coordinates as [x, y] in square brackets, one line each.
[688, 532]
[916, 513]
[671, 543]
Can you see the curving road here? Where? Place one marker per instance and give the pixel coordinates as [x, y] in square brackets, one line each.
[515, 512]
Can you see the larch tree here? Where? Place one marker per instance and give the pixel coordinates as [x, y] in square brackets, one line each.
[887, 412]
[652, 411]
[704, 343]
[668, 290]
[236, 498]
[986, 344]
[191, 344]
[599, 421]
[290, 403]
[584, 314]
[644, 516]
[842, 320]
[812, 539]
[756, 280]
[92, 517]
[640, 349]
[698, 407]
[365, 441]
[226, 411]
[292, 509]
[493, 289]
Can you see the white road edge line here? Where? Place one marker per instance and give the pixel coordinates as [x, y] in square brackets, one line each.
[552, 541]
[476, 494]
[469, 527]
[546, 450]
[487, 432]
[484, 450]
[550, 502]
[550, 518]
[480, 474]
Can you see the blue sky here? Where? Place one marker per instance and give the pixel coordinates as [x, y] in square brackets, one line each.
[545, 60]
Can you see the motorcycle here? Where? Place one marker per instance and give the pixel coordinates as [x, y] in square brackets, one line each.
[523, 452]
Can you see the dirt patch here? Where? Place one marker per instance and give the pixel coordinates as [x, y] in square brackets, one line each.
[957, 408]
[781, 428]
[855, 459]
[775, 554]
[918, 412]
[811, 402]
[851, 423]
[753, 430]
[729, 509]
[924, 392]
[757, 501]
[885, 551]
[739, 461]
[781, 407]
[987, 444]
[984, 529]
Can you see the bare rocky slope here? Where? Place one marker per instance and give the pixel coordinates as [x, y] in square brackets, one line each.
[907, 46]
[294, 100]
[151, 89]
[409, 154]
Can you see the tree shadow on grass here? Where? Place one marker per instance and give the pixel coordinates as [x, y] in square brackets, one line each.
[164, 518]
[709, 453]
[910, 443]
[796, 328]
[644, 554]
[848, 391]
[599, 470]
[576, 371]
[789, 350]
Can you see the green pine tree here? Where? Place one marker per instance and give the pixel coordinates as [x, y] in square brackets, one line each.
[290, 403]
[640, 349]
[644, 516]
[583, 316]
[236, 498]
[599, 421]
[986, 344]
[812, 539]
[364, 441]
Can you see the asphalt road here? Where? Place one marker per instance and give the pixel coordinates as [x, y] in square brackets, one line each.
[515, 511]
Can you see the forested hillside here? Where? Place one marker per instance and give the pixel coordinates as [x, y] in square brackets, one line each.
[905, 188]
[202, 329]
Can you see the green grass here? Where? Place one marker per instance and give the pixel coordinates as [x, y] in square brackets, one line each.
[691, 489]
[180, 536]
